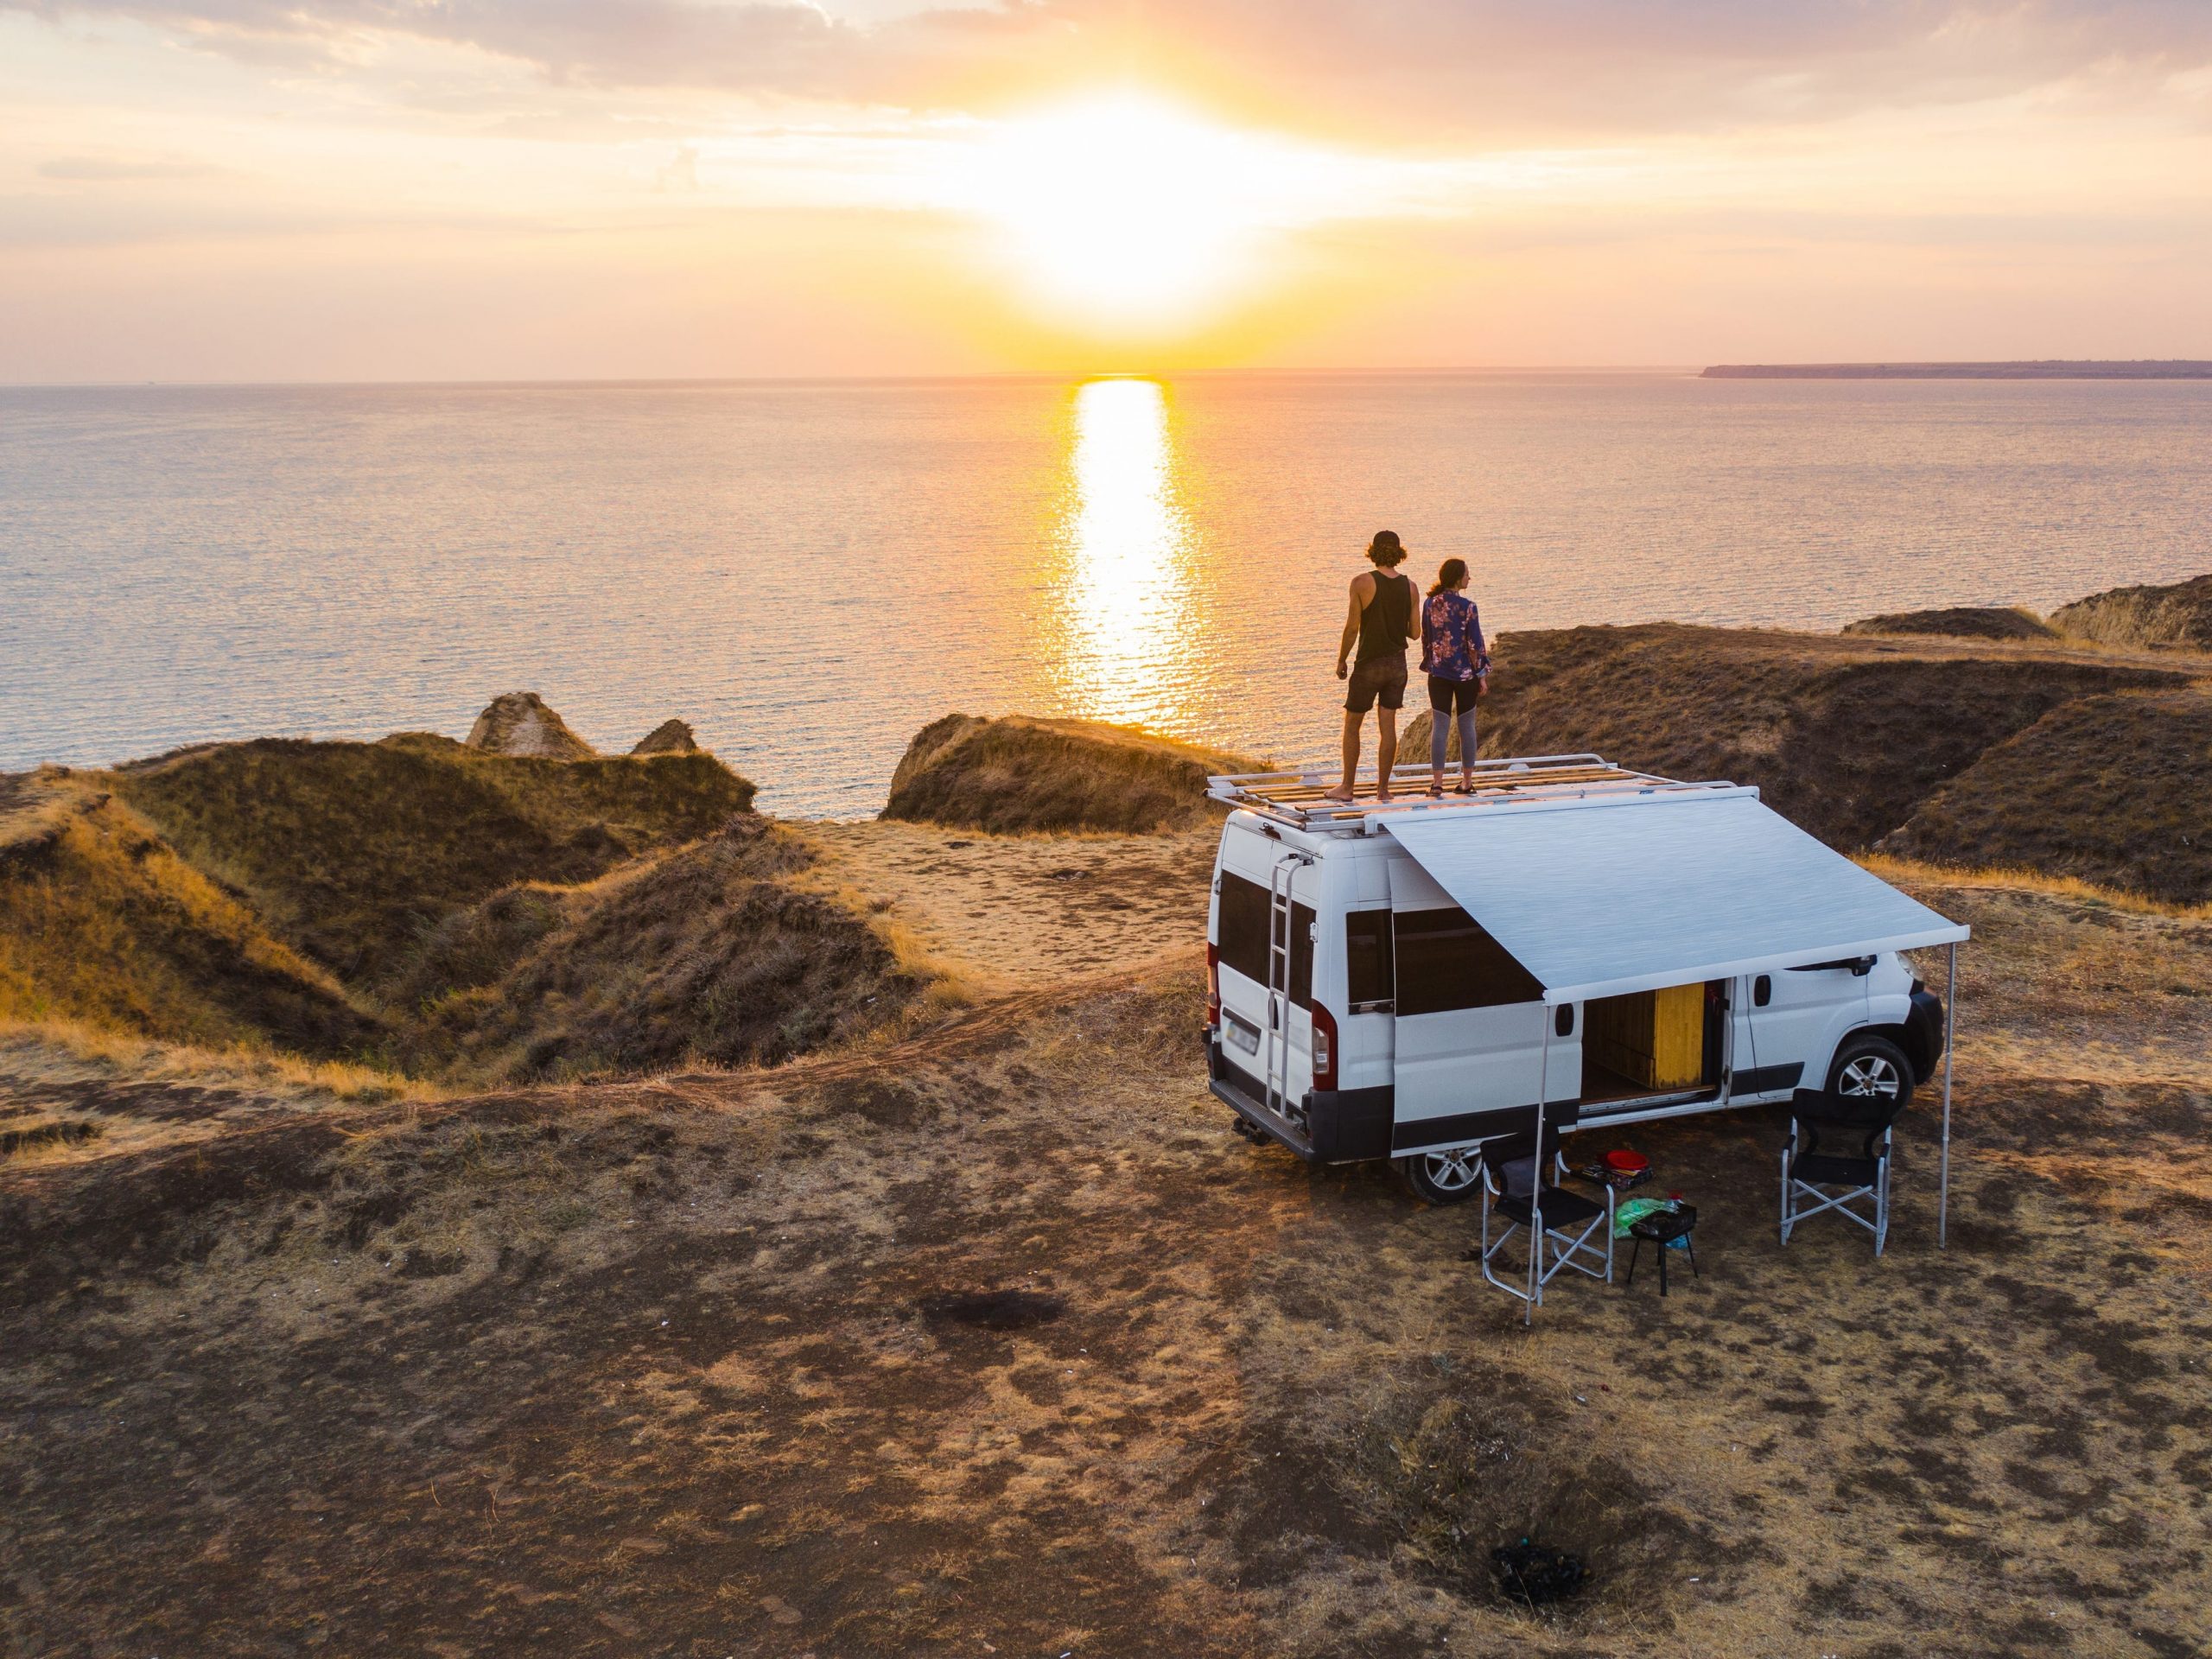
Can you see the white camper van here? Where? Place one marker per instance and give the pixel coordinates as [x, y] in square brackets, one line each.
[1407, 980]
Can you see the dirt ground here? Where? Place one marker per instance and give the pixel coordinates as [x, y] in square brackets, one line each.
[1028, 911]
[995, 1340]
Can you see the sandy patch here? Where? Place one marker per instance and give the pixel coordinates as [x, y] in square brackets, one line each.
[1028, 912]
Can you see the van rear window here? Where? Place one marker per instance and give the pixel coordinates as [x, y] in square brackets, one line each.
[1446, 961]
[1242, 930]
[1367, 960]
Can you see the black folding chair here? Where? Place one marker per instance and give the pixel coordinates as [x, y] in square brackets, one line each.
[1838, 1158]
[1558, 1220]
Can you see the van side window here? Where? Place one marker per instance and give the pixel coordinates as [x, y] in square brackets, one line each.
[1367, 960]
[1243, 941]
[1446, 961]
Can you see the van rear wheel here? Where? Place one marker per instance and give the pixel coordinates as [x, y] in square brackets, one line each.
[1871, 1067]
[1441, 1176]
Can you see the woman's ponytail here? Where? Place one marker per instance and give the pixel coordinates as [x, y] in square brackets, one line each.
[1454, 572]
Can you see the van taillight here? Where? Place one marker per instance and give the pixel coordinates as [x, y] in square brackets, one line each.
[1325, 1048]
[1213, 985]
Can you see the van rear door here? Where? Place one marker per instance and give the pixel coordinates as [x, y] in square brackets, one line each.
[1266, 1030]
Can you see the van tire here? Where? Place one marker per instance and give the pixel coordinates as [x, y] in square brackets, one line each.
[1868, 1064]
[1441, 1176]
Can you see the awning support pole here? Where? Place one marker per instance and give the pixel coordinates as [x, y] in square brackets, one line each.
[1950, 1047]
[1537, 1185]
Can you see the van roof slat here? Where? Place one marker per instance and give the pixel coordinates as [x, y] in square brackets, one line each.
[1299, 797]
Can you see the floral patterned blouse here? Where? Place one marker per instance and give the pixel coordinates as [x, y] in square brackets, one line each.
[1452, 644]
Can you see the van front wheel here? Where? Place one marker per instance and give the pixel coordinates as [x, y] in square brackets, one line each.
[1872, 1066]
[1441, 1176]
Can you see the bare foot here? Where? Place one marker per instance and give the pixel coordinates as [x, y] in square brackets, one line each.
[1382, 793]
[1341, 792]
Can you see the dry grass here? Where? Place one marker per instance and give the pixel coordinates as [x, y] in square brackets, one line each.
[2116, 789]
[684, 1365]
[2178, 613]
[353, 851]
[1020, 913]
[101, 922]
[1917, 873]
[713, 1362]
[1963, 622]
[42, 1052]
[1847, 737]
[709, 955]
[706, 957]
[1018, 775]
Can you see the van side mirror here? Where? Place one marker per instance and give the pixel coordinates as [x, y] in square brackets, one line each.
[1762, 990]
[1563, 1021]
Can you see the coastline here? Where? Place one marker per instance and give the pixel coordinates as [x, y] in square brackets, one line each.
[2147, 369]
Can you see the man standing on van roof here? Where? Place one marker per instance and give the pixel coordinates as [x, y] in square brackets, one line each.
[1381, 623]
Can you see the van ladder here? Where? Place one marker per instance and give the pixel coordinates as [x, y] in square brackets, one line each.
[1277, 1064]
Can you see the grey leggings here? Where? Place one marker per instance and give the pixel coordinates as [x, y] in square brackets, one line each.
[1440, 736]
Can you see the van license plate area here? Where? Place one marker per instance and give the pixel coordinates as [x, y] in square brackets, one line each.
[1246, 1037]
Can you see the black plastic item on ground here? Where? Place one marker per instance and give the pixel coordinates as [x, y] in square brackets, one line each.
[1664, 1227]
[1533, 1575]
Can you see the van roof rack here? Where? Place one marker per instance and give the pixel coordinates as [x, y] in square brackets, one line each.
[1300, 799]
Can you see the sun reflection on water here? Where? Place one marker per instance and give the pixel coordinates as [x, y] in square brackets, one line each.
[1125, 597]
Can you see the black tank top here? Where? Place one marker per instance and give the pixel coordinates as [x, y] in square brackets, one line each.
[1388, 622]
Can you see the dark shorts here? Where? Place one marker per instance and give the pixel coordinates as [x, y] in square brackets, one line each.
[1443, 694]
[1379, 679]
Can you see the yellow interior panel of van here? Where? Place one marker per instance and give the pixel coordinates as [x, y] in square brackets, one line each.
[1654, 1039]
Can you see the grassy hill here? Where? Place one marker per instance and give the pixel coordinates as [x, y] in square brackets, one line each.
[2175, 614]
[1847, 737]
[1960, 621]
[426, 905]
[706, 957]
[1017, 774]
[2115, 789]
[102, 922]
[353, 851]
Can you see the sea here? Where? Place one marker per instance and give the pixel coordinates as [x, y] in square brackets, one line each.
[809, 572]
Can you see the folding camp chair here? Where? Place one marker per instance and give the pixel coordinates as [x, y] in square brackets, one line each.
[1848, 1178]
[1558, 1220]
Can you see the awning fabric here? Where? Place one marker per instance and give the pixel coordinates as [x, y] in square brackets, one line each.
[1601, 898]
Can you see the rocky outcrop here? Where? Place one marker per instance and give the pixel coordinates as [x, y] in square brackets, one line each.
[2178, 613]
[1960, 622]
[518, 723]
[670, 737]
[1020, 774]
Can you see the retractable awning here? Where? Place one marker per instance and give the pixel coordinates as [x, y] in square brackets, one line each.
[1603, 897]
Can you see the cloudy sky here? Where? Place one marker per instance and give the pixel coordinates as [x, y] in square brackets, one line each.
[374, 189]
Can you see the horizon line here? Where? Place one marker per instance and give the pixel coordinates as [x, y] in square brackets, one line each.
[556, 382]
[490, 382]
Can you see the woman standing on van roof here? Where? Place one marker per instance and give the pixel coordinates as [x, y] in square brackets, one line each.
[1457, 661]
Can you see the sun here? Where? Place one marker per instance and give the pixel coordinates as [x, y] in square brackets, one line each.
[1127, 212]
